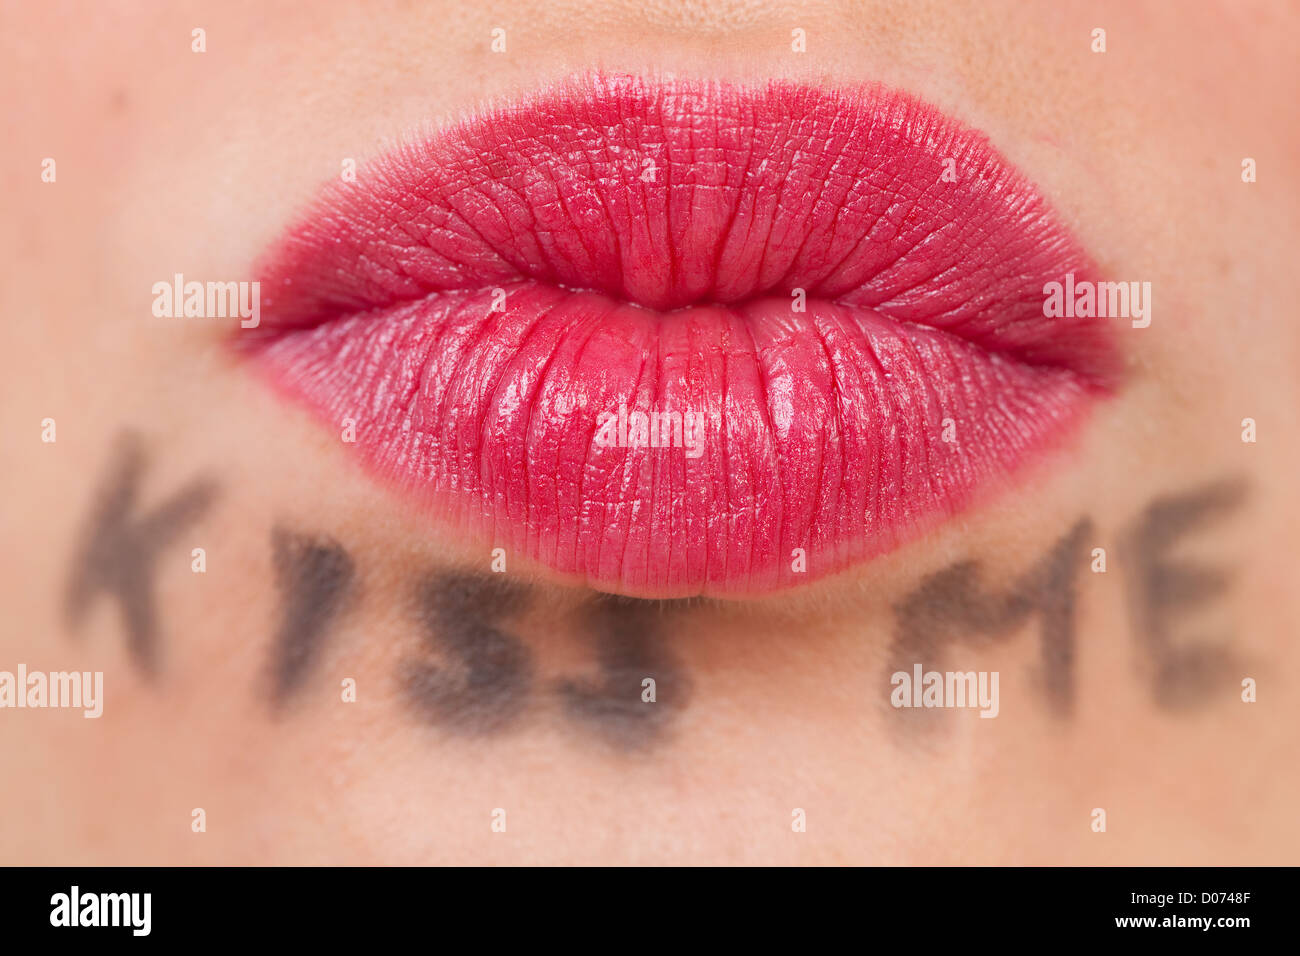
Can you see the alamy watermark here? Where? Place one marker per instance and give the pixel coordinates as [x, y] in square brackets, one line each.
[75, 908]
[652, 429]
[208, 300]
[72, 689]
[1103, 300]
[922, 688]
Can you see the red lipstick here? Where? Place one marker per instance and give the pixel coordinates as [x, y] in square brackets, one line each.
[683, 337]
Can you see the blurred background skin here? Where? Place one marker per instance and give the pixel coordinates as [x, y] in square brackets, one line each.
[172, 161]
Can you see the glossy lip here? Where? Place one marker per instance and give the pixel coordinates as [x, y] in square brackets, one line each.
[481, 303]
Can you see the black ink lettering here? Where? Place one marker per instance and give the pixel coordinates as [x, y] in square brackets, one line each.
[489, 685]
[1182, 675]
[119, 551]
[630, 649]
[314, 576]
[951, 607]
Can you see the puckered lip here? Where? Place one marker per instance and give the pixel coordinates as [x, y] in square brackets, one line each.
[825, 306]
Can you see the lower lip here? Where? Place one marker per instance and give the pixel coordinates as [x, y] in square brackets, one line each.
[827, 436]
[781, 443]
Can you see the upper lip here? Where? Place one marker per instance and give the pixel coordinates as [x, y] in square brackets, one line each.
[720, 205]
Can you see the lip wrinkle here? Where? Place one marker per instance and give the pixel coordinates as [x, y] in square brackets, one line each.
[839, 386]
[533, 404]
[765, 405]
[619, 502]
[633, 472]
[582, 475]
[656, 501]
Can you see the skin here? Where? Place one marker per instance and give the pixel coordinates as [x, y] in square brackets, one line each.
[170, 161]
